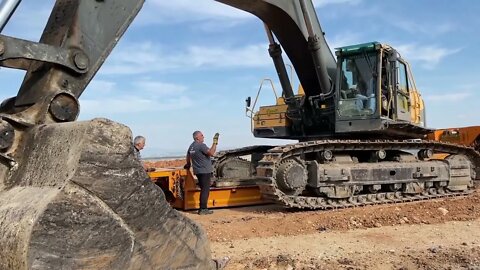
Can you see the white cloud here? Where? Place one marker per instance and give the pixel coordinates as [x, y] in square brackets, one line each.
[177, 11]
[344, 39]
[101, 86]
[29, 20]
[144, 58]
[160, 88]
[458, 96]
[429, 55]
[249, 56]
[106, 98]
[425, 28]
[131, 104]
[321, 3]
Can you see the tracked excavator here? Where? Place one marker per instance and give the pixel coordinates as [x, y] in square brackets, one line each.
[358, 118]
[72, 195]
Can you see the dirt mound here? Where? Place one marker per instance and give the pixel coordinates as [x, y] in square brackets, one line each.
[440, 234]
[446, 258]
[272, 220]
[172, 163]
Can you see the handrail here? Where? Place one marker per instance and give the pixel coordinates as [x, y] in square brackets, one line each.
[250, 112]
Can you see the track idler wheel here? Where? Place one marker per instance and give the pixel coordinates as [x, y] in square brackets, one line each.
[291, 177]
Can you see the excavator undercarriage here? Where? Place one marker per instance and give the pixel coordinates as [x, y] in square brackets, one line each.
[345, 173]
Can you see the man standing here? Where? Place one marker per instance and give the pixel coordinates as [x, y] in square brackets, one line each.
[198, 156]
[138, 144]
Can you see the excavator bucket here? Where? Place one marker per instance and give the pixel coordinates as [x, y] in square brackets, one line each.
[72, 195]
[79, 200]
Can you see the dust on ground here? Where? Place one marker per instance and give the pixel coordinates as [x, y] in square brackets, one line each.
[437, 234]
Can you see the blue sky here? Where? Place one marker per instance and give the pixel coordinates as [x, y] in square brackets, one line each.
[185, 65]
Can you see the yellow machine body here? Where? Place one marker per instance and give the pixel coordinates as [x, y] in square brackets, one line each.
[274, 116]
[271, 116]
[469, 136]
[181, 190]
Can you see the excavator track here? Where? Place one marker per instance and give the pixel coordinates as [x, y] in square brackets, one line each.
[222, 156]
[225, 160]
[268, 166]
[318, 203]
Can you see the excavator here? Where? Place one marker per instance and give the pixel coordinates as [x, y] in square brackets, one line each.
[72, 195]
[358, 118]
[360, 123]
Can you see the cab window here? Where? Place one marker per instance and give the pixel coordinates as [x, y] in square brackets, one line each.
[402, 77]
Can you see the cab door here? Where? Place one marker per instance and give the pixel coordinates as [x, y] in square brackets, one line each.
[402, 100]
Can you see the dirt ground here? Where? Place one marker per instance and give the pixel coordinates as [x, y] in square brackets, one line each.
[439, 234]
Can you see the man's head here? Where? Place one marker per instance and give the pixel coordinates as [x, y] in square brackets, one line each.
[198, 136]
[139, 142]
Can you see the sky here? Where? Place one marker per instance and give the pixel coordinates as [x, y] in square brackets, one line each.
[186, 65]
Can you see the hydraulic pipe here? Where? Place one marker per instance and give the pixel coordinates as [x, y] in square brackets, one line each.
[7, 8]
[314, 46]
[275, 52]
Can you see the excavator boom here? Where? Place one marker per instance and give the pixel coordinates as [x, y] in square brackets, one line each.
[298, 30]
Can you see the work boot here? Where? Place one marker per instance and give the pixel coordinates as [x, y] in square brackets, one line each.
[205, 212]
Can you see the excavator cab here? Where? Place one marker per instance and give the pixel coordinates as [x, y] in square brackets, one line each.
[376, 93]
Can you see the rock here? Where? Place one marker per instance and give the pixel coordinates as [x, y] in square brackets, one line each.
[322, 228]
[434, 249]
[378, 225]
[79, 190]
[443, 210]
